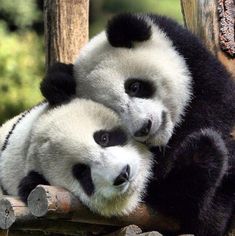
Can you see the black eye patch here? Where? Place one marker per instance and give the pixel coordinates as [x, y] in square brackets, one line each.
[139, 88]
[108, 138]
[82, 173]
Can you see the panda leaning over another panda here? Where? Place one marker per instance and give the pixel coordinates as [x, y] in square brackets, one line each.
[173, 95]
[80, 146]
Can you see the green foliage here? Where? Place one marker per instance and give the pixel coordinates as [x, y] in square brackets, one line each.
[101, 10]
[21, 13]
[21, 67]
[21, 51]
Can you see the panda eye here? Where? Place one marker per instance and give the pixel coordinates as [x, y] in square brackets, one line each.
[139, 88]
[134, 88]
[102, 138]
[113, 137]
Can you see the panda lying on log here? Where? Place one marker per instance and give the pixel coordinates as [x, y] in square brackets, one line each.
[80, 146]
[172, 95]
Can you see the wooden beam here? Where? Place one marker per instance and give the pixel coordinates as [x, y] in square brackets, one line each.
[66, 29]
[11, 210]
[226, 10]
[65, 215]
[60, 226]
[55, 202]
[202, 18]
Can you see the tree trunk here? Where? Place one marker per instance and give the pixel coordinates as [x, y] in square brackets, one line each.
[213, 22]
[66, 29]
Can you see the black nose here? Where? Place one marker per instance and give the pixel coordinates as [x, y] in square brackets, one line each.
[145, 129]
[123, 177]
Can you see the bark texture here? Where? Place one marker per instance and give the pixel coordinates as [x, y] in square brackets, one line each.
[207, 19]
[66, 29]
[55, 203]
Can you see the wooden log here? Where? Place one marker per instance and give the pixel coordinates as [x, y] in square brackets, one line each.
[14, 214]
[56, 202]
[66, 29]
[26, 233]
[232, 134]
[202, 18]
[60, 226]
[133, 230]
[130, 230]
[12, 209]
[226, 9]
[153, 233]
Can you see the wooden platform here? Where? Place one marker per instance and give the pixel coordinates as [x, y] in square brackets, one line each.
[55, 211]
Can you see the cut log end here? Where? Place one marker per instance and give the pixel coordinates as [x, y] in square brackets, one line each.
[38, 202]
[7, 215]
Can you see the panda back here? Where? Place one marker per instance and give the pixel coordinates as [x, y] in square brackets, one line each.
[5, 129]
[15, 140]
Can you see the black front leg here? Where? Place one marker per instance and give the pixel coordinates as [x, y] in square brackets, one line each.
[187, 192]
[28, 183]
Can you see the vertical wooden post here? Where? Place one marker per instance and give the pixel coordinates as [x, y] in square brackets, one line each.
[204, 18]
[66, 29]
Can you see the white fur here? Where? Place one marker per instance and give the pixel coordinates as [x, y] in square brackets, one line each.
[101, 71]
[52, 141]
[13, 158]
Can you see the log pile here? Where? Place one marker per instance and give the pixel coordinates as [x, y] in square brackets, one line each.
[55, 211]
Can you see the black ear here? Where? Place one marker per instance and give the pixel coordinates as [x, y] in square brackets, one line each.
[124, 29]
[59, 85]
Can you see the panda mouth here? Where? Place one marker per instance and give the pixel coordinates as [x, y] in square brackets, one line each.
[159, 130]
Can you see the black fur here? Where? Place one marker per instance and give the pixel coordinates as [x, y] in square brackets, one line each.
[189, 190]
[180, 194]
[146, 89]
[114, 137]
[6, 141]
[125, 29]
[29, 182]
[194, 176]
[82, 173]
[59, 85]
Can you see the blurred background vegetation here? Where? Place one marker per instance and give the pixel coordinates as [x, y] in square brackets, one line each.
[22, 51]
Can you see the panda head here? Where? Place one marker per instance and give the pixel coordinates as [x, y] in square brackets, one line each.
[81, 146]
[134, 69]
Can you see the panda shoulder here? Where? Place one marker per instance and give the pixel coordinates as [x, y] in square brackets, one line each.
[5, 129]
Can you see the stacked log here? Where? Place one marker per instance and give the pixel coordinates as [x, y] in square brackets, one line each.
[55, 210]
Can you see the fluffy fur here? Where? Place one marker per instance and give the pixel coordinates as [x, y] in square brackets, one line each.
[56, 146]
[191, 110]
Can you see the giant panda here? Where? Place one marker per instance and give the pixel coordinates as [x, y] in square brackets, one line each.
[175, 97]
[80, 146]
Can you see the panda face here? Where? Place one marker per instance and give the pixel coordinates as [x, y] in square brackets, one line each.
[148, 85]
[82, 147]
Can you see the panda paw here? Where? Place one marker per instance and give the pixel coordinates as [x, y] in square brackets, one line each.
[203, 152]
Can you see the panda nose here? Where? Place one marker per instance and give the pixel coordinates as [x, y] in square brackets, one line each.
[123, 177]
[144, 130]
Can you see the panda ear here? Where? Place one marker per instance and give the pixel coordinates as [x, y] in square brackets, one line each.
[124, 29]
[59, 85]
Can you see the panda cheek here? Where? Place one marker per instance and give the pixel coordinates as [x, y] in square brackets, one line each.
[82, 173]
